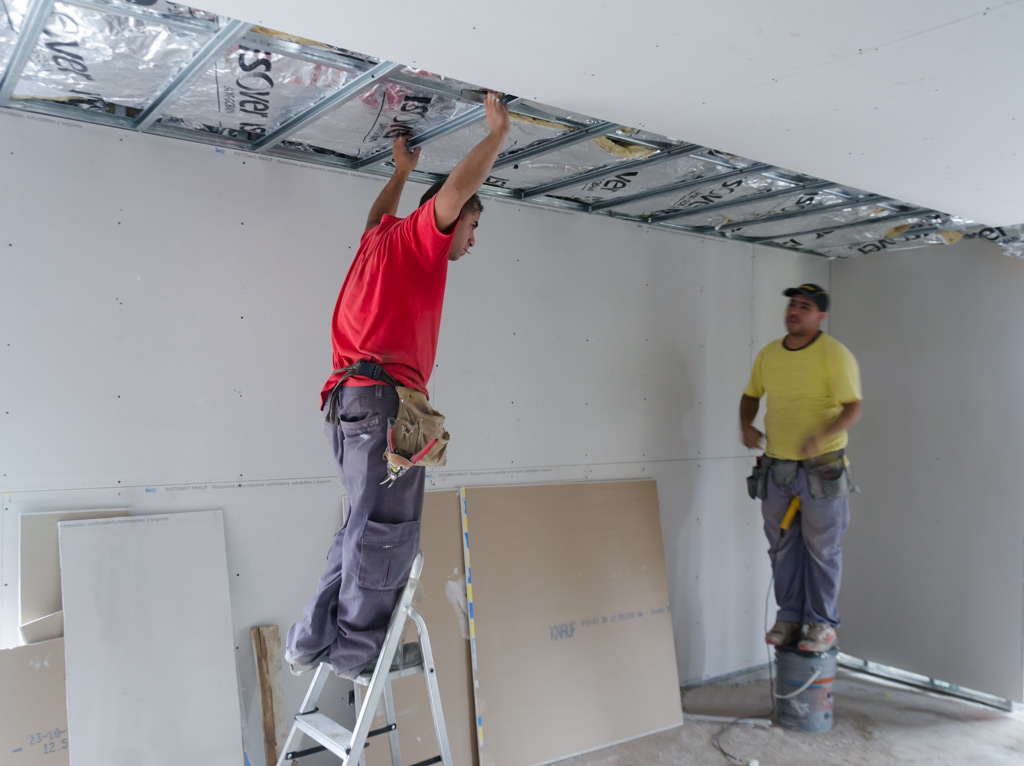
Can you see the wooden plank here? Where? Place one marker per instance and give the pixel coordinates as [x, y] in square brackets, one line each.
[266, 649]
[573, 630]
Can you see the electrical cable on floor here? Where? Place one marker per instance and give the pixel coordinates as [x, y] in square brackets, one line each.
[771, 693]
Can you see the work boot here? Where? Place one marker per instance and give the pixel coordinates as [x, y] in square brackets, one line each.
[782, 633]
[818, 637]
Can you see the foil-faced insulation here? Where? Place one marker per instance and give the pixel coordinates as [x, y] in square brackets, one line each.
[642, 179]
[441, 155]
[807, 201]
[1009, 238]
[253, 91]
[571, 160]
[89, 57]
[369, 123]
[862, 235]
[706, 194]
[161, 8]
[12, 15]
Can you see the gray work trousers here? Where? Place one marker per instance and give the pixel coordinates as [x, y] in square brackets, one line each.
[807, 560]
[372, 554]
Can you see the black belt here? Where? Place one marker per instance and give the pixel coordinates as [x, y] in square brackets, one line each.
[360, 369]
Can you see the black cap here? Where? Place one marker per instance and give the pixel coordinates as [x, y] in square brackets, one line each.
[815, 292]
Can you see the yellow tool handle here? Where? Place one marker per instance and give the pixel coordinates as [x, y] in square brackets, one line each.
[794, 506]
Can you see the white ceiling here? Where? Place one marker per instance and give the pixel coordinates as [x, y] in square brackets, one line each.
[914, 99]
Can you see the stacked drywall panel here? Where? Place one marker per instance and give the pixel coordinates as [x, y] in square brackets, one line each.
[150, 667]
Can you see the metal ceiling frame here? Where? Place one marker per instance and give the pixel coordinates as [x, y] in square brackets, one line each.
[224, 33]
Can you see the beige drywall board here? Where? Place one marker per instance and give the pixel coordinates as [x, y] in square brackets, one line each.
[39, 554]
[570, 606]
[33, 713]
[148, 641]
[441, 601]
[934, 546]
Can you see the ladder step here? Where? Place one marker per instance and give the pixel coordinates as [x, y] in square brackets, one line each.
[364, 678]
[328, 733]
[435, 759]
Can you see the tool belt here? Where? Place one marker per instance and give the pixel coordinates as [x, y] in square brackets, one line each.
[416, 435]
[827, 475]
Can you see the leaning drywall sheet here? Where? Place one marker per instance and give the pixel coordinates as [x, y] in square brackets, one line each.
[441, 601]
[40, 560]
[44, 629]
[33, 717]
[150, 660]
[574, 647]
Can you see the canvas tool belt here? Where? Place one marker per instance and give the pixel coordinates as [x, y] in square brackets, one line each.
[827, 475]
[416, 435]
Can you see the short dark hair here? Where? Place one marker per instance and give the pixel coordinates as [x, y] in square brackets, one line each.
[473, 204]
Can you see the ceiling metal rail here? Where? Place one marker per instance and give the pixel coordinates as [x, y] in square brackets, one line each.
[611, 169]
[803, 212]
[679, 186]
[192, 71]
[324, 106]
[179, 23]
[475, 114]
[913, 213]
[31, 29]
[745, 200]
[556, 143]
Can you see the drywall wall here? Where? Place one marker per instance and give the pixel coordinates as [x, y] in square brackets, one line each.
[846, 92]
[934, 557]
[169, 334]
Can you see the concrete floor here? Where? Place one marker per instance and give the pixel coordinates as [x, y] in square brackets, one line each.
[876, 723]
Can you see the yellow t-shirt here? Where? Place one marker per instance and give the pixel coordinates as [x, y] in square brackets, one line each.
[806, 391]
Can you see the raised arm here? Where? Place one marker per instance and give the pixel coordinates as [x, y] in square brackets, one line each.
[389, 197]
[472, 171]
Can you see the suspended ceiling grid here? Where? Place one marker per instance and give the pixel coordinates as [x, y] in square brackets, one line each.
[174, 71]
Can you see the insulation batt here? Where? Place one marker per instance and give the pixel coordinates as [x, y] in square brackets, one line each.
[254, 91]
[370, 123]
[84, 54]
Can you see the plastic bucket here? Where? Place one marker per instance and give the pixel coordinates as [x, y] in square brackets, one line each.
[804, 693]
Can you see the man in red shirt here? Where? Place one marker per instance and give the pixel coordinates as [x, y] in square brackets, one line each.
[388, 315]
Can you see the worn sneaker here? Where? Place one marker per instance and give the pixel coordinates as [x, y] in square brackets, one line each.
[818, 637]
[782, 633]
[297, 667]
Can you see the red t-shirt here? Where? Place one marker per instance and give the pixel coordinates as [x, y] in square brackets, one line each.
[389, 308]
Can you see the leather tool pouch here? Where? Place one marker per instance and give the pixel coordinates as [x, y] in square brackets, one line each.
[417, 432]
[757, 482]
[828, 475]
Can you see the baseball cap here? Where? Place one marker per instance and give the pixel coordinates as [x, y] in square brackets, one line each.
[815, 292]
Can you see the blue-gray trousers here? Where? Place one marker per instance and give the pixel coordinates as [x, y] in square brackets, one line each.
[372, 554]
[807, 560]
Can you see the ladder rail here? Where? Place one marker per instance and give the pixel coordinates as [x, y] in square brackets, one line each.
[350, 746]
[430, 676]
[380, 671]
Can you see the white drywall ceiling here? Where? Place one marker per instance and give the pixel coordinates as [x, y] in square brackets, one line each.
[913, 99]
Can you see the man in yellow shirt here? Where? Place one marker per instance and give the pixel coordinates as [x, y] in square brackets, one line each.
[814, 395]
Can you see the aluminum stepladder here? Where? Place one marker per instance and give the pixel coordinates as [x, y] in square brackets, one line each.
[349, 745]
